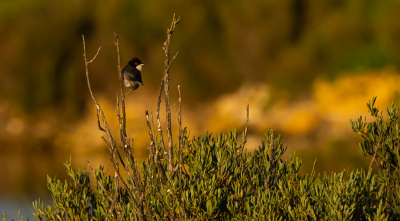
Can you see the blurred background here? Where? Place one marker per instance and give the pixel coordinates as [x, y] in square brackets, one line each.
[305, 67]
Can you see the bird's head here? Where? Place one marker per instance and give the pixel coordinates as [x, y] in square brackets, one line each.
[136, 62]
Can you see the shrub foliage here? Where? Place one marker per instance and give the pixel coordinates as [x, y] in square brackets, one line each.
[219, 183]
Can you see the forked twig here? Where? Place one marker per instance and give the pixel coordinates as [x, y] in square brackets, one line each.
[152, 149]
[373, 158]
[166, 87]
[121, 82]
[111, 140]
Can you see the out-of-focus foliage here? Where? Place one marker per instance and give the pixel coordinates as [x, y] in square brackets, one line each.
[21, 217]
[221, 182]
[222, 45]
[287, 49]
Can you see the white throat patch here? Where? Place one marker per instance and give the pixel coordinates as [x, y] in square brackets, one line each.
[139, 67]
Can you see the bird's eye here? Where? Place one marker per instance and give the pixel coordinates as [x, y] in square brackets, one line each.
[136, 64]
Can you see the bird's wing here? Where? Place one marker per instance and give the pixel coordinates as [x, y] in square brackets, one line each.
[131, 74]
[123, 72]
[138, 76]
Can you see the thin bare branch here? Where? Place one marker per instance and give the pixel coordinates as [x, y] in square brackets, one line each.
[373, 158]
[98, 122]
[111, 141]
[105, 141]
[165, 153]
[172, 59]
[97, 53]
[121, 82]
[99, 110]
[159, 129]
[180, 148]
[244, 140]
[152, 149]
[166, 87]
[240, 154]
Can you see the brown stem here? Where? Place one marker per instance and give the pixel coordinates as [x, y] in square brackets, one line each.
[373, 158]
[121, 82]
[152, 143]
[111, 140]
[165, 153]
[179, 115]
[244, 140]
[166, 82]
[240, 154]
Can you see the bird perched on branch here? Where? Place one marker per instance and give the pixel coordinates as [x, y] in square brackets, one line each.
[131, 74]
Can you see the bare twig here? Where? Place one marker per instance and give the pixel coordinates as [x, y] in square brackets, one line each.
[99, 110]
[179, 115]
[90, 90]
[152, 122]
[165, 153]
[166, 82]
[152, 149]
[373, 158]
[111, 140]
[240, 154]
[121, 82]
[244, 140]
[95, 56]
[98, 120]
[172, 60]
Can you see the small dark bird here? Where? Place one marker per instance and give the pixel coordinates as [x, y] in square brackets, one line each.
[132, 74]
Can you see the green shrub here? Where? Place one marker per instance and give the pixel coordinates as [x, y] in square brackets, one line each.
[218, 181]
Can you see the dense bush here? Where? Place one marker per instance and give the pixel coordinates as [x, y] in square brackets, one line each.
[219, 181]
